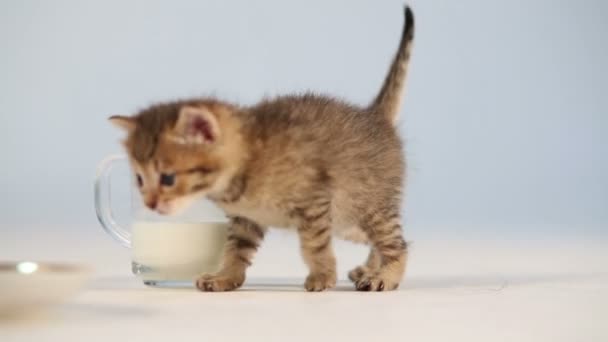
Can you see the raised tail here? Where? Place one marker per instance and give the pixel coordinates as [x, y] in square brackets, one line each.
[388, 100]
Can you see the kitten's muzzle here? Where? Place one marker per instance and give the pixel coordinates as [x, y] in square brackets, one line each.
[152, 203]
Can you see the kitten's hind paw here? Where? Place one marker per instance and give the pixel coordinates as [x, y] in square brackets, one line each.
[357, 273]
[374, 281]
[219, 282]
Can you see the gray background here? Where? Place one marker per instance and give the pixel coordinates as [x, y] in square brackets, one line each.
[505, 118]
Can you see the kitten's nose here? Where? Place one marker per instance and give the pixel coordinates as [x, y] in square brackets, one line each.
[152, 202]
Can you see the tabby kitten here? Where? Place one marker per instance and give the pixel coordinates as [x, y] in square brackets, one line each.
[311, 162]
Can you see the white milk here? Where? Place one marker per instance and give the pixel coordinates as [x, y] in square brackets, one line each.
[177, 251]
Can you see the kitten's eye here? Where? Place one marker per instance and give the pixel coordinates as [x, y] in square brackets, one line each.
[140, 181]
[166, 179]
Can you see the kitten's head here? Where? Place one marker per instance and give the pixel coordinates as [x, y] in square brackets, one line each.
[181, 151]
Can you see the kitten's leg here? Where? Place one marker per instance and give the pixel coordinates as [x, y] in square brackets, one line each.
[315, 244]
[385, 234]
[244, 238]
[372, 263]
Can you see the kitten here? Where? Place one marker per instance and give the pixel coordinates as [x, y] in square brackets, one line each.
[311, 162]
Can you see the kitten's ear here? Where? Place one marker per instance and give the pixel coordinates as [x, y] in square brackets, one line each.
[197, 125]
[123, 122]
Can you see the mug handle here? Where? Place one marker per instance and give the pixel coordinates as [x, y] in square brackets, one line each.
[103, 206]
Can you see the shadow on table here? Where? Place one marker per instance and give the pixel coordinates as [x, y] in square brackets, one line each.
[490, 282]
[435, 282]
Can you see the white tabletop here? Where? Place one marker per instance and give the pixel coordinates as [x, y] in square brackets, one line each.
[456, 288]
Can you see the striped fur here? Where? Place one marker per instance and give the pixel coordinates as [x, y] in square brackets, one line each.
[244, 238]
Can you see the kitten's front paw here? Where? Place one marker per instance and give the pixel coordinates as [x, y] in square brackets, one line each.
[220, 282]
[375, 281]
[316, 282]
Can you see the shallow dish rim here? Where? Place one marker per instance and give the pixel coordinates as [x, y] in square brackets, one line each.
[42, 267]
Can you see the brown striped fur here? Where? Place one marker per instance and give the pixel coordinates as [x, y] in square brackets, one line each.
[317, 164]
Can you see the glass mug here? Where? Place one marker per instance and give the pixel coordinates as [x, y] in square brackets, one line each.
[166, 250]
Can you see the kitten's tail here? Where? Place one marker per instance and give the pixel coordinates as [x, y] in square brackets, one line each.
[388, 100]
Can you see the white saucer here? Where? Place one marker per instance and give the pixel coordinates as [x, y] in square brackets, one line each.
[27, 286]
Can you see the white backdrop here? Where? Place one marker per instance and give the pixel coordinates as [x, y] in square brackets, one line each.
[506, 117]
